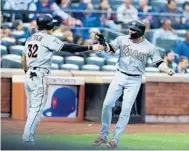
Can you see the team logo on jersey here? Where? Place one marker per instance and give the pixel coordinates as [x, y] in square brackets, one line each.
[128, 51]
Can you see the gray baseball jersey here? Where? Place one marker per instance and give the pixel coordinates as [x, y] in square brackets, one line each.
[133, 57]
[39, 49]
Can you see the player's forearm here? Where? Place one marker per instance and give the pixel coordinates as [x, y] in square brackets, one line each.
[24, 65]
[75, 48]
[163, 67]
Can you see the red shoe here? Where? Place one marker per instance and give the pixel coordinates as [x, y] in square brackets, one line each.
[99, 141]
[111, 145]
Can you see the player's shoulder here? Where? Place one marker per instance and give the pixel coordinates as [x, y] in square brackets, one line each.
[149, 44]
[123, 37]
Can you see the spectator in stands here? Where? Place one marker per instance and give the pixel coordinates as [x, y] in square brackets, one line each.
[40, 6]
[165, 31]
[172, 8]
[144, 15]
[182, 48]
[17, 5]
[78, 40]
[92, 39]
[88, 18]
[68, 36]
[18, 26]
[33, 26]
[107, 19]
[169, 60]
[182, 65]
[126, 13]
[82, 6]
[6, 31]
[59, 7]
[186, 14]
[43, 5]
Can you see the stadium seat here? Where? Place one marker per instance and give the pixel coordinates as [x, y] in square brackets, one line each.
[17, 34]
[166, 43]
[149, 34]
[54, 66]
[161, 51]
[57, 60]
[7, 24]
[75, 60]
[11, 61]
[8, 41]
[152, 69]
[95, 61]
[64, 54]
[181, 33]
[111, 61]
[115, 4]
[16, 49]
[69, 67]
[108, 68]
[90, 67]
[3, 50]
[22, 41]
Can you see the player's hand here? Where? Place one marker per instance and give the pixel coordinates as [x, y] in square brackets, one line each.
[170, 72]
[98, 47]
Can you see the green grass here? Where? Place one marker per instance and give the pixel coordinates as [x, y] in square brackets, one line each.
[83, 142]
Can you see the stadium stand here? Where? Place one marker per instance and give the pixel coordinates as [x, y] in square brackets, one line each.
[95, 61]
[11, 61]
[57, 60]
[108, 68]
[54, 66]
[3, 50]
[16, 49]
[90, 67]
[69, 67]
[75, 60]
[12, 41]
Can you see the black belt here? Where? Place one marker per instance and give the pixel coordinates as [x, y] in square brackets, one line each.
[128, 73]
[35, 68]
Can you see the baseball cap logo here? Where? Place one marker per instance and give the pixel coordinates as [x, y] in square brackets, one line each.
[63, 103]
[54, 102]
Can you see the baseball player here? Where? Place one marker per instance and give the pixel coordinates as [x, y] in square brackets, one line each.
[134, 51]
[36, 61]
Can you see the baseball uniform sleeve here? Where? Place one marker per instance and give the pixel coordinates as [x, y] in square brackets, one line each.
[55, 44]
[155, 55]
[115, 44]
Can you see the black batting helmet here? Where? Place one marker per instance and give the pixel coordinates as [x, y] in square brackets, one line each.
[139, 27]
[45, 21]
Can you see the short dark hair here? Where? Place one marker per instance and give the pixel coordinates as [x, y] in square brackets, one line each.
[184, 4]
[17, 22]
[169, 1]
[167, 52]
[181, 58]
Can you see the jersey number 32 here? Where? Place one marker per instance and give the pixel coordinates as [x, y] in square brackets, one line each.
[32, 50]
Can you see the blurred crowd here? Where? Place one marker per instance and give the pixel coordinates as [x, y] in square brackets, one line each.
[84, 14]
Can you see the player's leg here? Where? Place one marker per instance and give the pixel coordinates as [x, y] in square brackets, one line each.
[130, 94]
[115, 90]
[38, 100]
